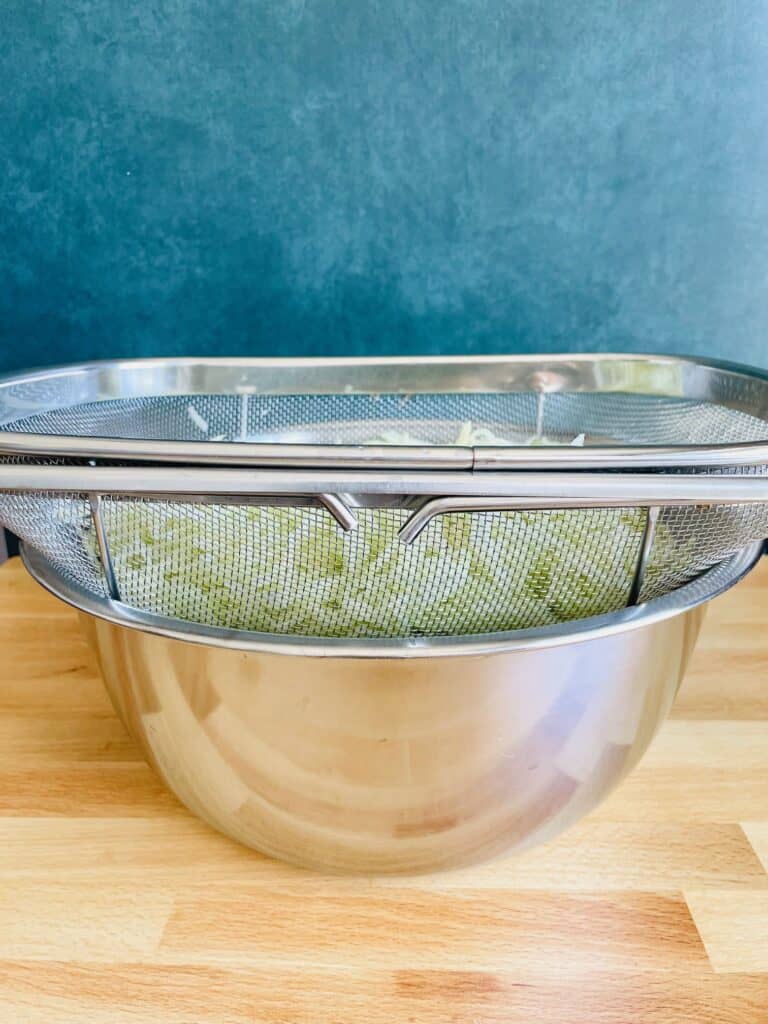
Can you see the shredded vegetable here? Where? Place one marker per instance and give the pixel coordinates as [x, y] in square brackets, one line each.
[470, 435]
[293, 571]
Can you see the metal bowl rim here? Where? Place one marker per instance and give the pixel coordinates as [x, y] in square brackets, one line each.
[709, 585]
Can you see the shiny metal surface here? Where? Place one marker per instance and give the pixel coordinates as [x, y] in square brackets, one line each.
[736, 387]
[212, 567]
[705, 587]
[102, 541]
[466, 491]
[393, 765]
[179, 536]
[343, 757]
[379, 457]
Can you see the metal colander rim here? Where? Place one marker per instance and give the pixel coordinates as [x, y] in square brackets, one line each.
[539, 372]
[705, 587]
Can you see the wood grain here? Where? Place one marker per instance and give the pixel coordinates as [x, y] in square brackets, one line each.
[118, 906]
[757, 833]
[733, 928]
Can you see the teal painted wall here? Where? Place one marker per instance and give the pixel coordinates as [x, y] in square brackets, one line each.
[378, 176]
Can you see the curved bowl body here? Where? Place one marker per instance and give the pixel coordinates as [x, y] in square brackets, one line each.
[356, 758]
[393, 765]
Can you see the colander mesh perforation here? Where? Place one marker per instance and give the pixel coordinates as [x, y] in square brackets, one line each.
[59, 526]
[691, 539]
[615, 418]
[293, 571]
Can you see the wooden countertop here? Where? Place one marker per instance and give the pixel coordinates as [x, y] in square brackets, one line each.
[118, 907]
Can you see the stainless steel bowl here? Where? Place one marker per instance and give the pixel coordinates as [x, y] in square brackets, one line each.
[395, 755]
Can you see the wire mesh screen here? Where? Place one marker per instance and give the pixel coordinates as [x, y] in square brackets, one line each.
[455, 418]
[292, 571]
[649, 419]
[693, 538]
[60, 527]
[690, 539]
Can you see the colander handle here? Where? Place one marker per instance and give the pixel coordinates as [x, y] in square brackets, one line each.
[502, 490]
[373, 457]
[604, 492]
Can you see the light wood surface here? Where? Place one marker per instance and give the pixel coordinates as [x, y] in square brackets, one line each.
[118, 907]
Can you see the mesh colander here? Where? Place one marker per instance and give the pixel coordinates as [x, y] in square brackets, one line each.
[389, 498]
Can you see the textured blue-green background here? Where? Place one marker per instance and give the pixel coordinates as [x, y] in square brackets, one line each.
[349, 176]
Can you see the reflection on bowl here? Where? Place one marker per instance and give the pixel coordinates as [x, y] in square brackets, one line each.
[350, 756]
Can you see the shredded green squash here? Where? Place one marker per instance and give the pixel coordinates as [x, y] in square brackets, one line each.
[293, 571]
